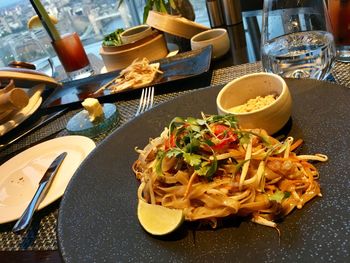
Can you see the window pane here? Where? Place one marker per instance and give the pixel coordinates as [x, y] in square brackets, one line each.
[91, 19]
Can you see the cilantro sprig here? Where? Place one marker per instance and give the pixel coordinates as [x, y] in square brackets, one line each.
[193, 140]
[278, 196]
[113, 39]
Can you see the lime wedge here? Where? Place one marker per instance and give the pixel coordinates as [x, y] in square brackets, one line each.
[34, 21]
[159, 220]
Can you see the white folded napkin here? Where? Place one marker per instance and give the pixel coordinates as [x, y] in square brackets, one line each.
[16, 117]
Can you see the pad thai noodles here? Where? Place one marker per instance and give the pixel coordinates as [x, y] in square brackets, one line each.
[211, 168]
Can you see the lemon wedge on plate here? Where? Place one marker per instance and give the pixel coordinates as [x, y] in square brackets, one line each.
[34, 21]
[159, 220]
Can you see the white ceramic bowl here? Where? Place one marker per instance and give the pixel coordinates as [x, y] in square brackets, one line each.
[271, 117]
[216, 37]
[135, 33]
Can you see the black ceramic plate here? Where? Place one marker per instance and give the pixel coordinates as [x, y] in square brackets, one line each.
[181, 66]
[98, 222]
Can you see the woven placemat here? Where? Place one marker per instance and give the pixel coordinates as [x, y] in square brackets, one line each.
[225, 75]
[341, 73]
[42, 233]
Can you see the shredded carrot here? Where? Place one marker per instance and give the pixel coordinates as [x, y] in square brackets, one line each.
[308, 165]
[296, 144]
[190, 182]
[308, 170]
[270, 187]
[282, 159]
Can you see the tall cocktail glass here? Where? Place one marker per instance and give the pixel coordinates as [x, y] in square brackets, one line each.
[339, 13]
[72, 55]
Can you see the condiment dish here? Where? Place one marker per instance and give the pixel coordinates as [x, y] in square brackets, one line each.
[154, 48]
[271, 117]
[135, 33]
[216, 37]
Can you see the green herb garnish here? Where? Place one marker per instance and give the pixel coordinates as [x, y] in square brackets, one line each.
[113, 39]
[197, 141]
[278, 196]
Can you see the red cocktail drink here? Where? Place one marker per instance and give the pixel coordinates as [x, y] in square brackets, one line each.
[339, 14]
[71, 53]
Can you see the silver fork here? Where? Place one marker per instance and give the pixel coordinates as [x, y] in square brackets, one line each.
[146, 100]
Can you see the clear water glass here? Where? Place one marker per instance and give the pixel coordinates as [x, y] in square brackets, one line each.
[296, 39]
[27, 48]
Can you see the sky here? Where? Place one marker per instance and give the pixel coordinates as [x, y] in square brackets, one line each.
[4, 3]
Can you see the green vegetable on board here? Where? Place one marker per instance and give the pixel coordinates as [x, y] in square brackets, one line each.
[113, 39]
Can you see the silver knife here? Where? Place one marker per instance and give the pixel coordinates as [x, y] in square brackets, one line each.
[40, 193]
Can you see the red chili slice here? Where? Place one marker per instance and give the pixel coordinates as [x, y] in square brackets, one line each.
[226, 136]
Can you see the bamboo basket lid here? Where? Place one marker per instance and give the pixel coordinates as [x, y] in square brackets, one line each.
[153, 49]
[175, 25]
[27, 77]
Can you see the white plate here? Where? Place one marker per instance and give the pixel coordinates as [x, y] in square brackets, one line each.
[17, 117]
[19, 176]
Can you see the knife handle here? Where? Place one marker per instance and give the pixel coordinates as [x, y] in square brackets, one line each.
[27, 216]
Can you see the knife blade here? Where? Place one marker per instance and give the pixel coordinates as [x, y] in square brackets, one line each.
[40, 193]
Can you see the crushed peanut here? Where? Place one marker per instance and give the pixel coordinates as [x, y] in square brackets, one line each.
[254, 104]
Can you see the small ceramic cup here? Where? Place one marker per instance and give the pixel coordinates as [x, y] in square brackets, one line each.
[271, 117]
[136, 33]
[216, 37]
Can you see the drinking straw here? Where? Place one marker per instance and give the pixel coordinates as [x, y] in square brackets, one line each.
[45, 20]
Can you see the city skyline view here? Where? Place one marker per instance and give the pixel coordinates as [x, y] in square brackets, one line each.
[91, 19]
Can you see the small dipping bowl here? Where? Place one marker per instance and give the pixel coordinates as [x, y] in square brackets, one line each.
[271, 117]
[216, 37]
[136, 33]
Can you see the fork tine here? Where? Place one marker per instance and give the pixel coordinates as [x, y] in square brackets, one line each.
[141, 102]
[146, 100]
[152, 97]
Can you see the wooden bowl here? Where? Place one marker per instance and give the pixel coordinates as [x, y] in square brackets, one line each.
[216, 37]
[135, 33]
[130, 45]
[271, 117]
[154, 48]
[24, 77]
[174, 25]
